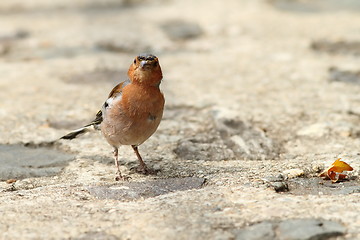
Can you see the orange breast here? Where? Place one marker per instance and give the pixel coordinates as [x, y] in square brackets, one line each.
[139, 101]
[136, 117]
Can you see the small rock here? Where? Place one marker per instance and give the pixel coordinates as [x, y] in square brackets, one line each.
[294, 173]
[277, 178]
[156, 167]
[309, 229]
[318, 167]
[280, 186]
[277, 182]
[181, 30]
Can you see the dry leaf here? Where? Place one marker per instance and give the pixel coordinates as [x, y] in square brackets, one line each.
[333, 172]
[9, 181]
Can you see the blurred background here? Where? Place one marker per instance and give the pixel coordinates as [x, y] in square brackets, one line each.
[269, 61]
[92, 42]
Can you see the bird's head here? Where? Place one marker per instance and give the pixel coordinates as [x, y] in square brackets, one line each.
[145, 70]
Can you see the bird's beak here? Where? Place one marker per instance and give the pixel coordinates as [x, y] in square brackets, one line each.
[143, 63]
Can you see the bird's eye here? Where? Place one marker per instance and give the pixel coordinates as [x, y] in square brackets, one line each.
[135, 60]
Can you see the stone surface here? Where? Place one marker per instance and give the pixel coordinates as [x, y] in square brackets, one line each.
[96, 236]
[307, 229]
[237, 93]
[246, 141]
[18, 162]
[316, 130]
[200, 148]
[136, 190]
[337, 47]
[280, 186]
[317, 6]
[277, 182]
[337, 75]
[316, 186]
[292, 229]
[260, 231]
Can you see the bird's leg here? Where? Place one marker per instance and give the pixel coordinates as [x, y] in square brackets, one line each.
[118, 176]
[142, 168]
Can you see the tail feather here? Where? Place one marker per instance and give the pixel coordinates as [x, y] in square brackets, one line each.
[75, 133]
[95, 123]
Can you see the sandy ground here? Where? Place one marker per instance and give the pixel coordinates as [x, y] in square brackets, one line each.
[248, 97]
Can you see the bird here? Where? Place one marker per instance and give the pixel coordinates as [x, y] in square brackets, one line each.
[132, 112]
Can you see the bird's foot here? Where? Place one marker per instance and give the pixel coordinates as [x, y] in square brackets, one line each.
[145, 170]
[120, 177]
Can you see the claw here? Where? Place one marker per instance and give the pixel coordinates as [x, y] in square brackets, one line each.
[144, 170]
[120, 177]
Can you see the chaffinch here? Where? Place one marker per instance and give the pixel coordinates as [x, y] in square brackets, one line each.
[133, 110]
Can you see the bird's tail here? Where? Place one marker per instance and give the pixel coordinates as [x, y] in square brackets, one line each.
[76, 133]
[95, 123]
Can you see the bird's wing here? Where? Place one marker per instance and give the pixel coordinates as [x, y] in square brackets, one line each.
[115, 92]
[118, 89]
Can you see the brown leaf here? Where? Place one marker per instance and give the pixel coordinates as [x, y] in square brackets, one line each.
[9, 181]
[333, 172]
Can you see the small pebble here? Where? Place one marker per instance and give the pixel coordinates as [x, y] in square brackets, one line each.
[280, 186]
[294, 173]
